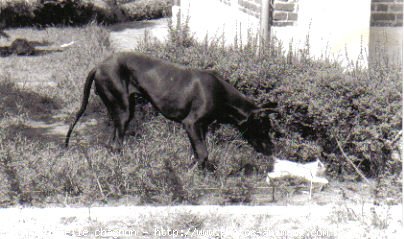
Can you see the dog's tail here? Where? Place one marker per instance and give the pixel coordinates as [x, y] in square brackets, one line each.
[84, 102]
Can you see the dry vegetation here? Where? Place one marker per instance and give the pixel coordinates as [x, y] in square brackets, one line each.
[36, 169]
[341, 117]
[314, 100]
[40, 13]
[318, 104]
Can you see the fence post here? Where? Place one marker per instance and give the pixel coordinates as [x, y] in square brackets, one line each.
[265, 23]
[176, 12]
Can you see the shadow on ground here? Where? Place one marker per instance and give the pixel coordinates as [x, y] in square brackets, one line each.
[15, 101]
[40, 134]
[29, 113]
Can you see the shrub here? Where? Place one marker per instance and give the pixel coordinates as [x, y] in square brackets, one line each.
[76, 12]
[318, 102]
[145, 9]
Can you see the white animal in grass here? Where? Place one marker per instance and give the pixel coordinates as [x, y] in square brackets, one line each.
[312, 172]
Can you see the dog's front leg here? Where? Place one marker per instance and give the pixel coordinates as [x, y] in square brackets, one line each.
[197, 135]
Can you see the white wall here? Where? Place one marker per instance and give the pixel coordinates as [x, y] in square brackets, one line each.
[337, 28]
[386, 45]
[216, 19]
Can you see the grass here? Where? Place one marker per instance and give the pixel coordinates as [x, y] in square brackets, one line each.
[314, 99]
[36, 170]
[22, 105]
[320, 104]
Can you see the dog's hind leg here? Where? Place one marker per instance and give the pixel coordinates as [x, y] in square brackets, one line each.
[110, 103]
[132, 102]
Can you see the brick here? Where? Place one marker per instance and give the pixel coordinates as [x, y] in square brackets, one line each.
[282, 24]
[243, 9]
[249, 12]
[255, 8]
[383, 17]
[381, 24]
[251, 6]
[292, 16]
[386, 24]
[290, 7]
[382, 7]
[374, 7]
[397, 7]
[227, 2]
[280, 16]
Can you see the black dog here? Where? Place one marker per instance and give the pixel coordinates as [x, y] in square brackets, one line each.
[192, 97]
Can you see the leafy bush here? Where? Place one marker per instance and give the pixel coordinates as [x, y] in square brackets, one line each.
[77, 12]
[145, 9]
[320, 105]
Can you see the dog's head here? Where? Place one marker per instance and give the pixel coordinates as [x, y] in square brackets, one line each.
[257, 130]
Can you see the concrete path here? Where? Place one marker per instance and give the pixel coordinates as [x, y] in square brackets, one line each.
[327, 221]
[125, 36]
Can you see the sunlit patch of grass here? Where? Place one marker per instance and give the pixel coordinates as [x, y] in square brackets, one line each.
[33, 165]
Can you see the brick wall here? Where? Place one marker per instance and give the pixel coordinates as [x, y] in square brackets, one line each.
[252, 7]
[387, 13]
[227, 2]
[284, 12]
